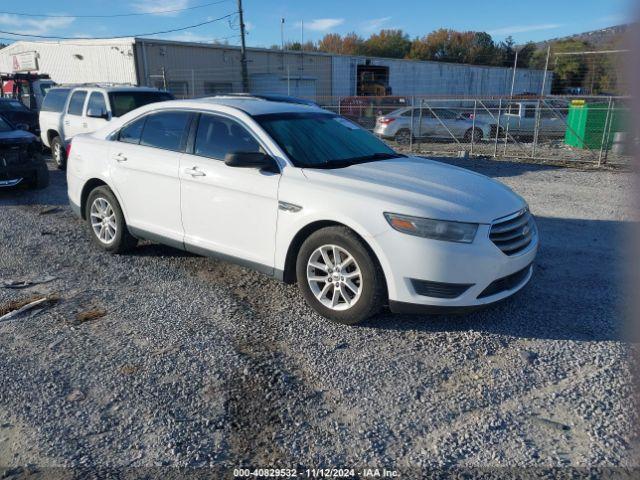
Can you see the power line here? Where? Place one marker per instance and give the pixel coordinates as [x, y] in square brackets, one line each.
[158, 12]
[51, 37]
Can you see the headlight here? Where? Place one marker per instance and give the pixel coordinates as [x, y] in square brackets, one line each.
[435, 229]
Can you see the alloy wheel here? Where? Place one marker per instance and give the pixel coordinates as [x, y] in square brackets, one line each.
[103, 220]
[334, 277]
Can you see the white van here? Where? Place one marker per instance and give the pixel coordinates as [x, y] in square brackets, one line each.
[69, 111]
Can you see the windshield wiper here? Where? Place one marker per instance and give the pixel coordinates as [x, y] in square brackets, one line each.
[347, 162]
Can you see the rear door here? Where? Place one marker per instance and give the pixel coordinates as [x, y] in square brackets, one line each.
[425, 121]
[145, 160]
[447, 124]
[74, 121]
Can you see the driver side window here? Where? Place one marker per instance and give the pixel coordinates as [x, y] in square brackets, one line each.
[216, 136]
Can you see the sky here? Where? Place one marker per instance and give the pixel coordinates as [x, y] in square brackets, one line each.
[523, 20]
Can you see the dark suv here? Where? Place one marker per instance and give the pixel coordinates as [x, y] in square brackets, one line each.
[21, 158]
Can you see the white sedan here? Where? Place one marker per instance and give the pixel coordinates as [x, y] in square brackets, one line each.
[306, 196]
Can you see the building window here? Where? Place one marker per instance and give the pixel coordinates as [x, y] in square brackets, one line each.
[214, 88]
[180, 89]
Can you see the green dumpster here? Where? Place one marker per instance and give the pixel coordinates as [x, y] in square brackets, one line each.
[586, 123]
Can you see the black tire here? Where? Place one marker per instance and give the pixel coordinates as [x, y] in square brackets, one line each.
[477, 135]
[40, 179]
[58, 153]
[372, 284]
[403, 136]
[123, 241]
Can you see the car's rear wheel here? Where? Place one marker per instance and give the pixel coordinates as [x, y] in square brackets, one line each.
[339, 277]
[58, 153]
[106, 222]
[403, 136]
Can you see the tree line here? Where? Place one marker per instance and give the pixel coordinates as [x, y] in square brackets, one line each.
[572, 73]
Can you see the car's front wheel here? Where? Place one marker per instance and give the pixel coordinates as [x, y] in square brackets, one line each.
[473, 135]
[339, 277]
[106, 222]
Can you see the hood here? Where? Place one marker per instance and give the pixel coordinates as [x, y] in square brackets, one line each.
[423, 187]
[17, 136]
[17, 117]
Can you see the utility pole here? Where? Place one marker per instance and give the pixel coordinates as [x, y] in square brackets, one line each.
[243, 51]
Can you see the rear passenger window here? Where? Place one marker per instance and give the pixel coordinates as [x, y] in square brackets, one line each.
[55, 100]
[76, 103]
[166, 130]
[132, 132]
[217, 136]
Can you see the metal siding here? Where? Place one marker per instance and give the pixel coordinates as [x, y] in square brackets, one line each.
[198, 64]
[79, 61]
[408, 77]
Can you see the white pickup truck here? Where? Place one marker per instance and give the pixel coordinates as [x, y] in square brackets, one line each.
[69, 111]
[520, 116]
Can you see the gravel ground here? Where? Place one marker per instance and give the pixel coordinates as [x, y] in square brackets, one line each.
[198, 363]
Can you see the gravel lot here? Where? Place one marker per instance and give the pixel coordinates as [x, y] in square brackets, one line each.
[199, 363]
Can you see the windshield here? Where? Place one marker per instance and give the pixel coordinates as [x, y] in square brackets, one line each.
[323, 140]
[124, 102]
[13, 106]
[4, 126]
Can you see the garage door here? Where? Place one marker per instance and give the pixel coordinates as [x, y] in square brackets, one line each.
[275, 84]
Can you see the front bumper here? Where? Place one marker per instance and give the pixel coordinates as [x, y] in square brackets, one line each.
[457, 276]
[10, 182]
[14, 175]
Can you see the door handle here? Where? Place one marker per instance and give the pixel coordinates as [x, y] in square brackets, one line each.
[120, 157]
[194, 172]
[67, 122]
[84, 125]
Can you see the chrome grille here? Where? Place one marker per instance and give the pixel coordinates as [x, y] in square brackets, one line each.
[513, 234]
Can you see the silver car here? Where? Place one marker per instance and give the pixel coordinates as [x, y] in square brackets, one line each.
[434, 123]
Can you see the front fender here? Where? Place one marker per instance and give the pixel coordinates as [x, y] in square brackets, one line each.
[291, 223]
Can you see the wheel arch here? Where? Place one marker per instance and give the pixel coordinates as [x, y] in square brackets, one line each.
[289, 273]
[51, 134]
[88, 187]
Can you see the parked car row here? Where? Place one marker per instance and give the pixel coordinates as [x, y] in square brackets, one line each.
[436, 123]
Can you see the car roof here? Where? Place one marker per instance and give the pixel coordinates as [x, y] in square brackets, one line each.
[107, 88]
[250, 105]
[273, 97]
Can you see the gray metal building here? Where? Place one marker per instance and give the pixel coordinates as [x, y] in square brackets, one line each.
[196, 69]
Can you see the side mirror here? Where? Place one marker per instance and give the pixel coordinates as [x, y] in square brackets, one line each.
[257, 160]
[22, 126]
[95, 113]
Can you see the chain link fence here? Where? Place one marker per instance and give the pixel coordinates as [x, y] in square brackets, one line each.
[588, 129]
[554, 128]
